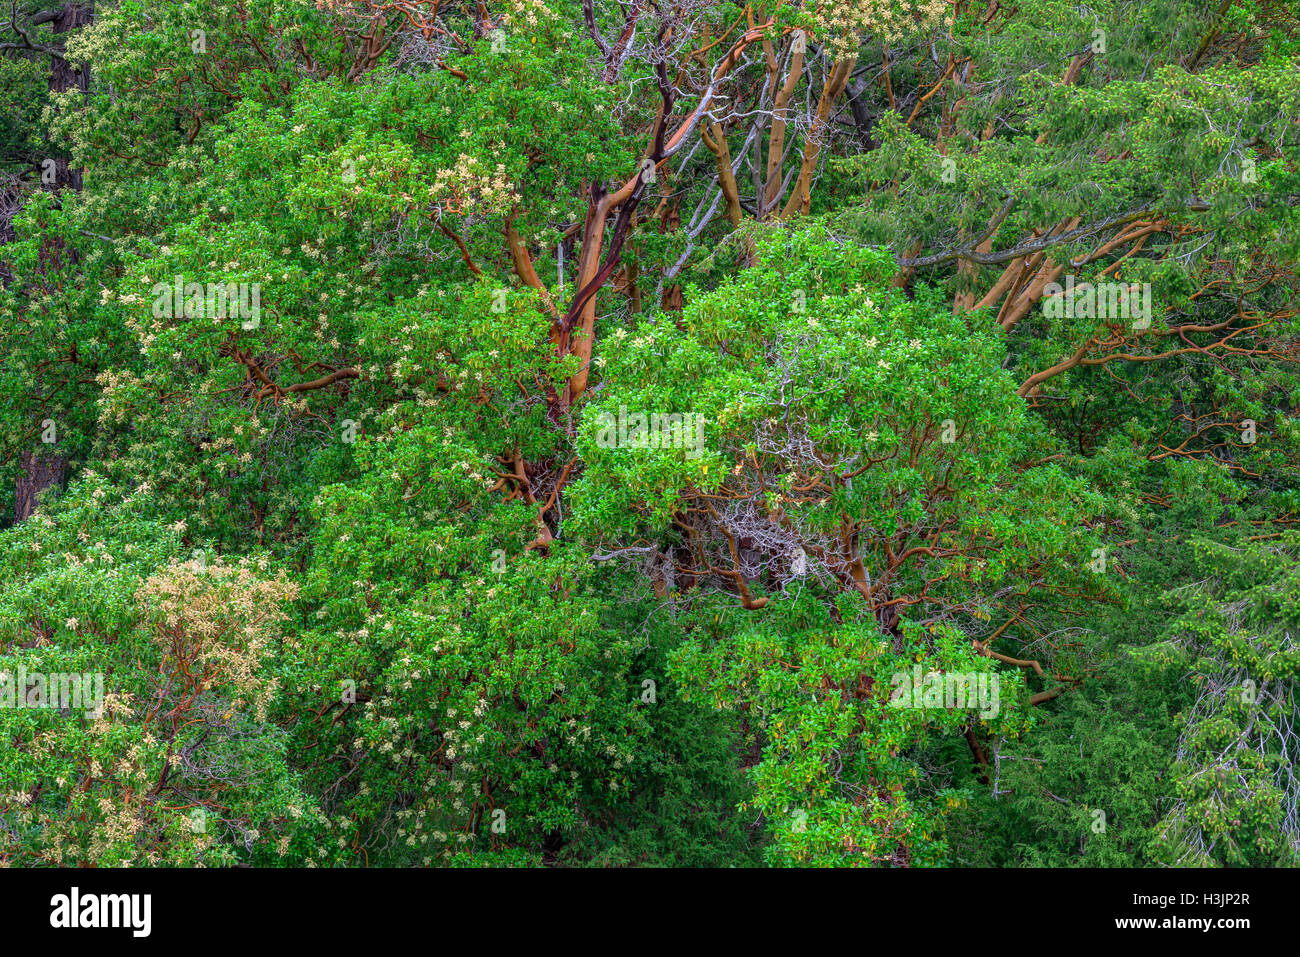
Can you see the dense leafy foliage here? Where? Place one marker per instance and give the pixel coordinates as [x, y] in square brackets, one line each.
[826, 433]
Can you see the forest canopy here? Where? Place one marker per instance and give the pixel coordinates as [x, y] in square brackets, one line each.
[649, 433]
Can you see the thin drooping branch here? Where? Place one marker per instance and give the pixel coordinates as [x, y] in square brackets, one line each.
[45, 16]
[271, 388]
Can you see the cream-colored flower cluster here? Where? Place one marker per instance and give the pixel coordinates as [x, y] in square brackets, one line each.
[221, 618]
[843, 25]
[113, 408]
[527, 13]
[470, 188]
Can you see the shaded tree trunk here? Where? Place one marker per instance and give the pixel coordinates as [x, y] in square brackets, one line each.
[40, 470]
[63, 77]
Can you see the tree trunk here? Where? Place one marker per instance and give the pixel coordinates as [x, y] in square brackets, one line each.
[72, 16]
[42, 469]
[39, 471]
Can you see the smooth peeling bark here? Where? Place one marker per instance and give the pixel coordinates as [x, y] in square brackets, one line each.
[715, 139]
[776, 139]
[576, 335]
[801, 198]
